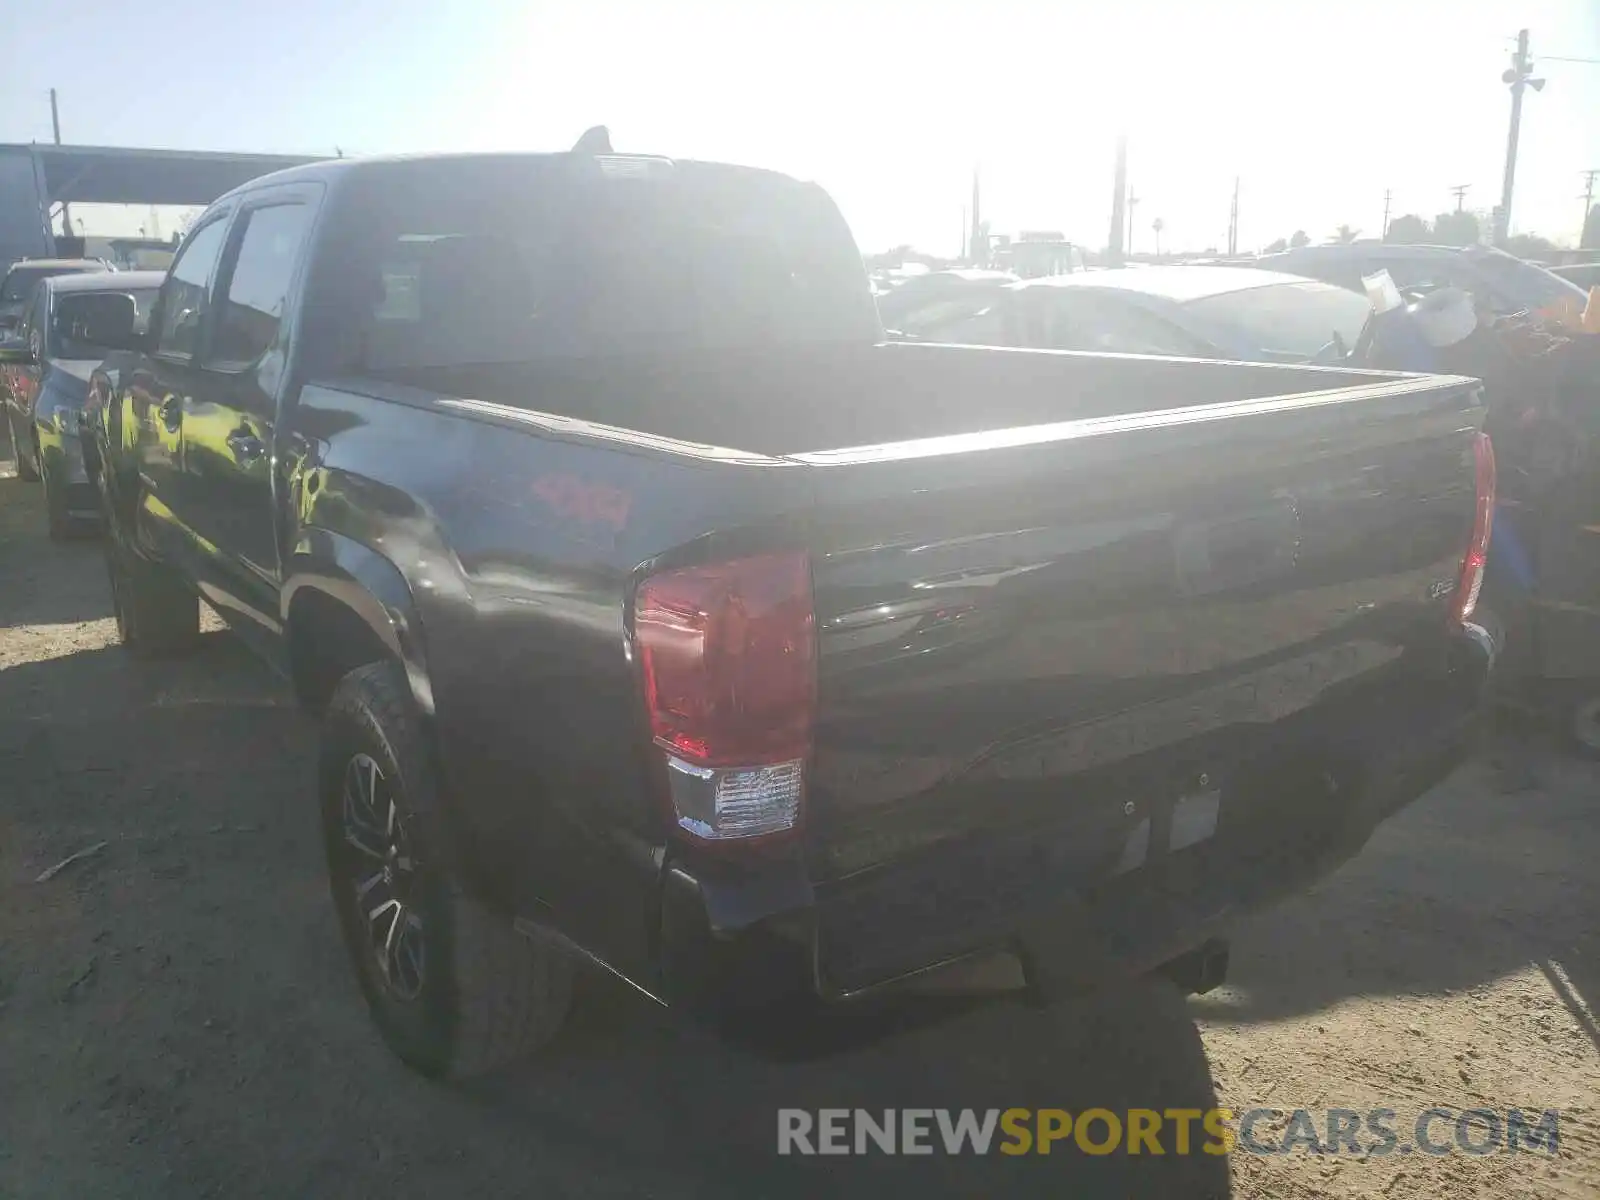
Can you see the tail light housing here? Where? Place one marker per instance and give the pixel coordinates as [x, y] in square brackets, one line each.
[727, 664]
[1476, 560]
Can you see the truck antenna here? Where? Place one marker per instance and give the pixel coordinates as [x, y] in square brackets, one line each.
[596, 140]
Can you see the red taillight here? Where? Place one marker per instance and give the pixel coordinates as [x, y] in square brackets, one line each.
[727, 660]
[1476, 560]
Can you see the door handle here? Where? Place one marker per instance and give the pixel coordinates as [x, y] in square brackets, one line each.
[171, 413]
[246, 446]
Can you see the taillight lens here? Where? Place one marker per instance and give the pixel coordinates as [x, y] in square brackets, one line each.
[727, 660]
[1476, 560]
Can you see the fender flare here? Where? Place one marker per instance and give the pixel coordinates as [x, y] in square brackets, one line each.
[370, 585]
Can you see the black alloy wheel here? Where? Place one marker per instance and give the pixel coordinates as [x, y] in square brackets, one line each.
[380, 868]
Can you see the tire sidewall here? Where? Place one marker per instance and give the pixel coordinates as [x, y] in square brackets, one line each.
[117, 580]
[1583, 724]
[54, 506]
[421, 1030]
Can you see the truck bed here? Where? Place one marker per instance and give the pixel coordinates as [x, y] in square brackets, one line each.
[1072, 610]
[808, 399]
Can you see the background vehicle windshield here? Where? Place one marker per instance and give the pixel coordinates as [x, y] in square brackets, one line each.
[20, 280]
[1284, 320]
[1526, 284]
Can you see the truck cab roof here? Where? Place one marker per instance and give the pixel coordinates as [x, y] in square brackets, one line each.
[336, 172]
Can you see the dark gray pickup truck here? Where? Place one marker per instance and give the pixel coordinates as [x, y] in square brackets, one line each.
[659, 614]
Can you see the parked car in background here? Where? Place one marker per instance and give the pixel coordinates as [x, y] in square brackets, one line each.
[1184, 311]
[1585, 275]
[1501, 282]
[71, 324]
[660, 614]
[20, 278]
[922, 299]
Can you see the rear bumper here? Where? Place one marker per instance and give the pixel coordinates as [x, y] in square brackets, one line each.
[1288, 816]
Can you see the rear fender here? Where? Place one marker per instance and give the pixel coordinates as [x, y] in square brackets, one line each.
[369, 585]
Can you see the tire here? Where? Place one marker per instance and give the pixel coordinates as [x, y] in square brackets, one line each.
[157, 612]
[457, 991]
[27, 464]
[55, 506]
[1583, 725]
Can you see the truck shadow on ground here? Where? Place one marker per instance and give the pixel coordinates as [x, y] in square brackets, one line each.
[1490, 872]
[217, 1041]
[198, 773]
[45, 583]
[674, 1102]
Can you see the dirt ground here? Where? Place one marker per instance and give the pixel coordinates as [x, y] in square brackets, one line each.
[177, 1018]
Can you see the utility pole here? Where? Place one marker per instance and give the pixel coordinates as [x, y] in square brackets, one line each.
[1461, 190]
[1588, 200]
[1519, 77]
[1388, 195]
[1119, 198]
[55, 125]
[977, 244]
[1133, 204]
[1233, 221]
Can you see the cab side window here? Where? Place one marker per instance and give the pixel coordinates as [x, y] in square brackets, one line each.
[184, 294]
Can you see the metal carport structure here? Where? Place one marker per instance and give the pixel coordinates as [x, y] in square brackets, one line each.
[34, 177]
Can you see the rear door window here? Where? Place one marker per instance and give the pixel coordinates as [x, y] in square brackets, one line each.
[251, 313]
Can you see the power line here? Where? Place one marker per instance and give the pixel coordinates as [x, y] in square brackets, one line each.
[1567, 58]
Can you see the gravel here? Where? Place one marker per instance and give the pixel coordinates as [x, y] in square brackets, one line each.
[177, 1018]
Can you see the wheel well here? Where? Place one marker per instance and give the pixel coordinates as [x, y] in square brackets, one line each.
[327, 640]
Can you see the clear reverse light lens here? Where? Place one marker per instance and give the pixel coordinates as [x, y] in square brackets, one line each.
[735, 802]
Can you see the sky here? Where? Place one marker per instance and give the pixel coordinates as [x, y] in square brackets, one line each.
[1316, 106]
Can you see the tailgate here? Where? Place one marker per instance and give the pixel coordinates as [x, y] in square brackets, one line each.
[1026, 635]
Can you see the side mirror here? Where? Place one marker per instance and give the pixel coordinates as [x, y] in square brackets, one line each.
[104, 319]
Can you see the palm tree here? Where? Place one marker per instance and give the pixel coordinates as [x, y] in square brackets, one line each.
[1346, 234]
[1158, 225]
